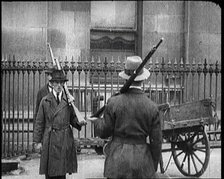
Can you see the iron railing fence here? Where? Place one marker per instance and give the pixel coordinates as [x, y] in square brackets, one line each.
[92, 83]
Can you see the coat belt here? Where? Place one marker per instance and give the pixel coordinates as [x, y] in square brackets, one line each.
[54, 128]
[130, 139]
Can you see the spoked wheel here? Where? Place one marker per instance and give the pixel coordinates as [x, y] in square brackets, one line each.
[191, 152]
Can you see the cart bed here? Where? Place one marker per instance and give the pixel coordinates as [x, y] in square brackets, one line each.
[188, 114]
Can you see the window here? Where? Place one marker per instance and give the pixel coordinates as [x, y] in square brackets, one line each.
[113, 30]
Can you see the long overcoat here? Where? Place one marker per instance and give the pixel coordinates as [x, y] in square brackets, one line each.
[40, 94]
[128, 119]
[53, 129]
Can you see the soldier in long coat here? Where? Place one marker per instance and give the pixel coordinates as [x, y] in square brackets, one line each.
[47, 88]
[130, 118]
[53, 132]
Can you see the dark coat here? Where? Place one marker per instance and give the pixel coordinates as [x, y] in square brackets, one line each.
[40, 94]
[53, 129]
[129, 118]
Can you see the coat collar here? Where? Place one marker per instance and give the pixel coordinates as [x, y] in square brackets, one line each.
[55, 94]
[54, 107]
[51, 97]
[135, 90]
[49, 87]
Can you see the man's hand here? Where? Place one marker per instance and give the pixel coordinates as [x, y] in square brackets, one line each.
[38, 147]
[70, 98]
[92, 119]
[82, 123]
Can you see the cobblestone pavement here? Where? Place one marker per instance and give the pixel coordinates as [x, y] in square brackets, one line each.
[90, 165]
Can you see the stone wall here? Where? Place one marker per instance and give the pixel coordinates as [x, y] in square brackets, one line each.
[24, 28]
[28, 26]
[205, 31]
[190, 29]
[164, 19]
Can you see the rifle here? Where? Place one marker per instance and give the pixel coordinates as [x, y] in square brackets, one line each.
[70, 98]
[128, 83]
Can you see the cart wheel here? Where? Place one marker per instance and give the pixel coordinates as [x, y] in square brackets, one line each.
[191, 153]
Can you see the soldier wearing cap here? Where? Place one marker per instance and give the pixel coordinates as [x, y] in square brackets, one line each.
[129, 118]
[53, 131]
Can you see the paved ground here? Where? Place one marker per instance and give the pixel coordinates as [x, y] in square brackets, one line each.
[90, 165]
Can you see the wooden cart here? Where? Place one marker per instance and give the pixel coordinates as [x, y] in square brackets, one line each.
[183, 126]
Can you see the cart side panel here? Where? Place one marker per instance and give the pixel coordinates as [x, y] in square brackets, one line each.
[193, 110]
[188, 114]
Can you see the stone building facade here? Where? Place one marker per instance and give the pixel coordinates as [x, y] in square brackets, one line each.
[112, 28]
